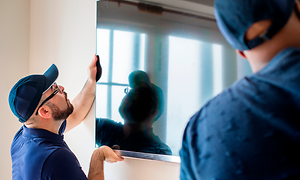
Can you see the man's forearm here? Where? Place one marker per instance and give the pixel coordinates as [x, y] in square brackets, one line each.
[96, 166]
[103, 153]
[82, 104]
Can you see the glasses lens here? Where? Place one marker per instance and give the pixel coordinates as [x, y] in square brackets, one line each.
[126, 90]
[55, 86]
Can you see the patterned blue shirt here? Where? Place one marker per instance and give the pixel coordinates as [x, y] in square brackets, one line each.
[251, 130]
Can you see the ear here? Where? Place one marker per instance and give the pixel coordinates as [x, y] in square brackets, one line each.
[45, 112]
[241, 53]
[155, 113]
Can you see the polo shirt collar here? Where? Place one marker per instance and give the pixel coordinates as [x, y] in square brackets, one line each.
[42, 133]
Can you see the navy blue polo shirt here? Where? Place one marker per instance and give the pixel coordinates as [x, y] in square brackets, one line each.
[249, 131]
[40, 154]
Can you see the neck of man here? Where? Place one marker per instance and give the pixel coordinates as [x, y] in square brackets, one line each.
[287, 37]
[46, 124]
[133, 128]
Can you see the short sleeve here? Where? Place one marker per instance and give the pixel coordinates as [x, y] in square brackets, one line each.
[62, 164]
[108, 132]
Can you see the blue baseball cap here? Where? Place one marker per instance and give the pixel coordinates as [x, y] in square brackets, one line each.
[234, 17]
[137, 77]
[26, 94]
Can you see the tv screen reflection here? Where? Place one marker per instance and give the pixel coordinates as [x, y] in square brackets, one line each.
[140, 107]
[158, 70]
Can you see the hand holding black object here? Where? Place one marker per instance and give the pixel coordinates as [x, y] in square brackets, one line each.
[99, 69]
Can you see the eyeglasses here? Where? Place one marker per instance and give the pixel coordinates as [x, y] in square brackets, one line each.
[55, 86]
[127, 89]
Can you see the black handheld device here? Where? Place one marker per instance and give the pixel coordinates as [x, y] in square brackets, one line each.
[99, 69]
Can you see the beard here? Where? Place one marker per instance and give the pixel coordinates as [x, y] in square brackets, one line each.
[59, 114]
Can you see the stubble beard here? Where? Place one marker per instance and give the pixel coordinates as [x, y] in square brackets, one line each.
[59, 114]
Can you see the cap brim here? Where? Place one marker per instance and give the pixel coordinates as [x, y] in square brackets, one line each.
[50, 76]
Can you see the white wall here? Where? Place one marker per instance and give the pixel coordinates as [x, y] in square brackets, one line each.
[36, 33]
[14, 58]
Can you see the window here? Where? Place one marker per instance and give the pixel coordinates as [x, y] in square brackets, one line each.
[120, 53]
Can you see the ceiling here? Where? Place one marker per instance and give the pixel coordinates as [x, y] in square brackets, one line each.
[203, 2]
[200, 7]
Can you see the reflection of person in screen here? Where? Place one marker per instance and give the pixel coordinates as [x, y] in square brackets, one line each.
[140, 108]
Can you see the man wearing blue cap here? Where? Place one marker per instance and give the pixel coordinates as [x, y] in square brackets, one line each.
[38, 149]
[252, 130]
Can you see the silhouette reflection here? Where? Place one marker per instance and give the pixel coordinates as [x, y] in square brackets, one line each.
[142, 105]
